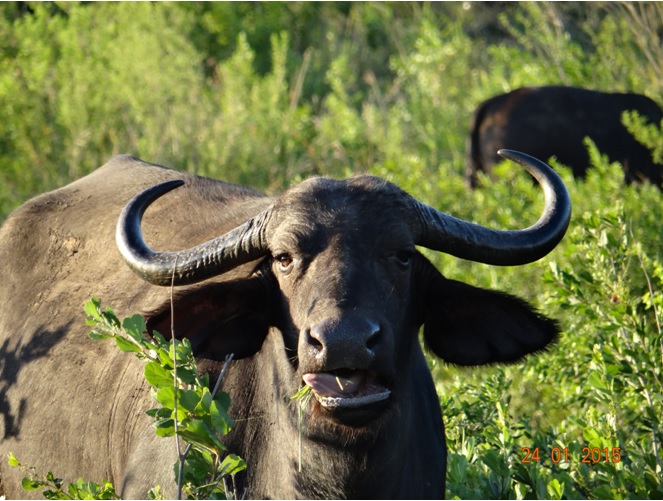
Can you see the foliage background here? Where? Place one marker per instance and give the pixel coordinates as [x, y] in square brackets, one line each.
[266, 94]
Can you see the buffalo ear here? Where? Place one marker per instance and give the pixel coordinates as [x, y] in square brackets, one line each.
[466, 325]
[218, 319]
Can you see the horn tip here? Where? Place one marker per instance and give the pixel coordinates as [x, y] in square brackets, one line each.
[511, 154]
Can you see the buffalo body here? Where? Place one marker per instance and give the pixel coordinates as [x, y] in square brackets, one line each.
[553, 121]
[339, 290]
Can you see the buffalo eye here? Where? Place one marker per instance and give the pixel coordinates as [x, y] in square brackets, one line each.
[404, 257]
[285, 261]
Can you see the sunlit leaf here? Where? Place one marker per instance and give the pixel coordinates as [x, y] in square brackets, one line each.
[157, 376]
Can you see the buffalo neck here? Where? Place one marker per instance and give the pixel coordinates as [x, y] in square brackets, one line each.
[393, 463]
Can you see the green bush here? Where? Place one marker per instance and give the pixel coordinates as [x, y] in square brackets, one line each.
[598, 391]
[80, 85]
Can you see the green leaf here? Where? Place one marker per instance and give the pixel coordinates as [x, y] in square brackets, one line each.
[157, 376]
[199, 466]
[135, 326]
[29, 484]
[555, 489]
[126, 345]
[98, 336]
[159, 339]
[184, 351]
[232, 464]
[203, 406]
[188, 399]
[51, 494]
[12, 461]
[159, 412]
[199, 434]
[495, 462]
[74, 490]
[165, 428]
[604, 492]
[166, 397]
[155, 493]
[110, 319]
[596, 380]
[223, 399]
[165, 359]
[591, 436]
[221, 422]
[182, 415]
[92, 308]
[302, 393]
[187, 375]
[108, 491]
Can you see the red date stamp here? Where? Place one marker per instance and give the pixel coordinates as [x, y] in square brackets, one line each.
[590, 455]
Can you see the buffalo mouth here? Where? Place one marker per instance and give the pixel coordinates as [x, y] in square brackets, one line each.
[353, 397]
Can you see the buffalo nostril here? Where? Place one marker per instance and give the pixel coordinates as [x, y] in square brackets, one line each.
[374, 337]
[314, 339]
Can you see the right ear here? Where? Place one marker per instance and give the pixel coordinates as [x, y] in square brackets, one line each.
[218, 318]
[466, 325]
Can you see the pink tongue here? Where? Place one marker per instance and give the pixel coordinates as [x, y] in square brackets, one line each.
[329, 385]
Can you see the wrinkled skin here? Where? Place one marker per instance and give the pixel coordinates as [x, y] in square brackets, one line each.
[553, 121]
[343, 293]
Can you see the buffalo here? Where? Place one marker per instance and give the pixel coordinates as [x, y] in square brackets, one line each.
[321, 282]
[553, 121]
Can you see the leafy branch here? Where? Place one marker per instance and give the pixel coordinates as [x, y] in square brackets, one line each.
[188, 409]
[55, 486]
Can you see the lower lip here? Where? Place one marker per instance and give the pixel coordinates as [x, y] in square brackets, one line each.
[357, 416]
[333, 403]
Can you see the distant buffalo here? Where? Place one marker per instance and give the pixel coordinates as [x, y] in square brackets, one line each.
[553, 121]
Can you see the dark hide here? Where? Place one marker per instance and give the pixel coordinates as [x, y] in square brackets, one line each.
[553, 121]
[343, 291]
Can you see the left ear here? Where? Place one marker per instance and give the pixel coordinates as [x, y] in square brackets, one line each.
[218, 318]
[466, 325]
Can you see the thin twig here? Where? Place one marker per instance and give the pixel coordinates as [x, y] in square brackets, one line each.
[229, 359]
[180, 457]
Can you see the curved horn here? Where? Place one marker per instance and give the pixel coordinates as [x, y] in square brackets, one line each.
[240, 245]
[439, 231]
